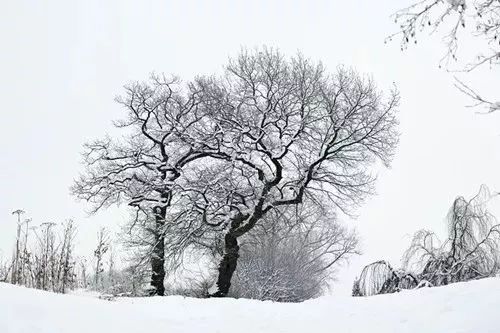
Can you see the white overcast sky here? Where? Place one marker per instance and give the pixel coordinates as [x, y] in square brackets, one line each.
[63, 62]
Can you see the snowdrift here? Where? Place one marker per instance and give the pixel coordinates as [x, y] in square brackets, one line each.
[462, 307]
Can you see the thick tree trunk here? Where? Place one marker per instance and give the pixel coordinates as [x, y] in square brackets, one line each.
[227, 265]
[158, 253]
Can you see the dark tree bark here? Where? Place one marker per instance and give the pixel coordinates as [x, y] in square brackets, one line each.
[227, 265]
[158, 255]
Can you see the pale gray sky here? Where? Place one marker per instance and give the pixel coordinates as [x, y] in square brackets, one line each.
[63, 62]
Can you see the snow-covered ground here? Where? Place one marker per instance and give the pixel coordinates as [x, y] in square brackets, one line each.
[462, 307]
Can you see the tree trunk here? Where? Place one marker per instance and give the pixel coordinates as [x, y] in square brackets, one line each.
[227, 265]
[158, 254]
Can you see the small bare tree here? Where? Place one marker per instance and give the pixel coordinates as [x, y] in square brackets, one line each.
[44, 256]
[45, 262]
[66, 263]
[5, 268]
[102, 247]
[82, 273]
[16, 260]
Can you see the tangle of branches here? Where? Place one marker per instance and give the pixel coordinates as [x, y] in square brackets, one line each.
[471, 251]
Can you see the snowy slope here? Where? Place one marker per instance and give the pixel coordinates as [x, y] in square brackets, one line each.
[463, 307]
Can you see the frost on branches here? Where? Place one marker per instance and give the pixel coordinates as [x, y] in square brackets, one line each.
[294, 265]
[471, 251]
[204, 163]
[479, 19]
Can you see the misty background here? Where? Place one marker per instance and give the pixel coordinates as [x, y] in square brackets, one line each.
[62, 63]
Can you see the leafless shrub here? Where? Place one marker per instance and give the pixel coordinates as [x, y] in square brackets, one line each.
[292, 257]
[197, 286]
[129, 281]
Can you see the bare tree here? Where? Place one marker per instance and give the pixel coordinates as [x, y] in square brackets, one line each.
[43, 260]
[286, 130]
[141, 168]
[102, 247]
[17, 251]
[5, 268]
[292, 257]
[66, 263]
[215, 157]
[82, 272]
[477, 18]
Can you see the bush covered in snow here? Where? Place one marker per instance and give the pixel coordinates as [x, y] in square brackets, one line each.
[380, 278]
[294, 265]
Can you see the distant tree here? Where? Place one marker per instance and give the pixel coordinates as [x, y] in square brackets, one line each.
[111, 269]
[4, 270]
[45, 261]
[479, 19]
[44, 256]
[292, 257]
[17, 250]
[66, 263]
[83, 274]
[133, 280]
[102, 247]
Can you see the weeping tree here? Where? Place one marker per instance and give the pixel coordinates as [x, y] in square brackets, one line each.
[380, 278]
[471, 250]
[286, 130]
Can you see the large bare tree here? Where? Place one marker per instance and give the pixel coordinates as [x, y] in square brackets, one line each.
[213, 157]
[141, 167]
[286, 130]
